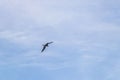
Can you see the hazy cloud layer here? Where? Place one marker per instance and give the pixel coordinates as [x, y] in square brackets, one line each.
[85, 34]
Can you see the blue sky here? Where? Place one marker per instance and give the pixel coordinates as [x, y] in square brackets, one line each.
[85, 35]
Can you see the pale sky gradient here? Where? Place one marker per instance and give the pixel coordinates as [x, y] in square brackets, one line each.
[86, 36]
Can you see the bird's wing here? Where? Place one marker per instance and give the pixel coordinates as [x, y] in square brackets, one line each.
[50, 42]
[43, 48]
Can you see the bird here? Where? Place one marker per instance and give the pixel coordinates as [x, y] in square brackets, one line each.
[45, 45]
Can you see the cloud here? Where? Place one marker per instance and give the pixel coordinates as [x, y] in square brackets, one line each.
[84, 37]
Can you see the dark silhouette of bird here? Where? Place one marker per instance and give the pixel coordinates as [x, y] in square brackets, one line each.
[45, 45]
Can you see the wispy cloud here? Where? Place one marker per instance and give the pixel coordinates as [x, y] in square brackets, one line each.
[85, 35]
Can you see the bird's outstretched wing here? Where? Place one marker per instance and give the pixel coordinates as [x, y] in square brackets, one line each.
[50, 42]
[43, 48]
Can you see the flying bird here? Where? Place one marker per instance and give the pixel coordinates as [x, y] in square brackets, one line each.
[45, 45]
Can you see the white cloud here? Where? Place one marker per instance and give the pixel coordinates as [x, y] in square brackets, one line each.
[82, 39]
